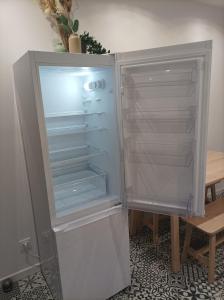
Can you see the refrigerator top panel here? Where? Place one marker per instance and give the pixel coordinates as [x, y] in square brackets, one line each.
[81, 138]
[164, 113]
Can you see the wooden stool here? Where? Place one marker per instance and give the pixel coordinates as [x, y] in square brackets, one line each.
[137, 220]
[211, 224]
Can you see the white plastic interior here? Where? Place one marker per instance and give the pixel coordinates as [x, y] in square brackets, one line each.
[159, 108]
[80, 116]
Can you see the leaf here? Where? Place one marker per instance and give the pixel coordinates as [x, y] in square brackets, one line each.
[66, 28]
[75, 25]
[62, 20]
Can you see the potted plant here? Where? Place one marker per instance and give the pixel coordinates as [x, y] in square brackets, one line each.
[58, 13]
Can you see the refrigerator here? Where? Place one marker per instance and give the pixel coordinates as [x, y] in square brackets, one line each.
[103, 134]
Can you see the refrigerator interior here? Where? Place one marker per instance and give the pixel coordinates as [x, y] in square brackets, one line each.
[80, 118]
[159, 108]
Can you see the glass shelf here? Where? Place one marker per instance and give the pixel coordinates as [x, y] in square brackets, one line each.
[73, 155]
[72, 129]
[72, 114]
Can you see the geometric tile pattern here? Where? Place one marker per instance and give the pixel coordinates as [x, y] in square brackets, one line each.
[151, 274]
[152, 277]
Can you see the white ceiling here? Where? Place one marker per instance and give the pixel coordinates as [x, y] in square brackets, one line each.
[213, 2]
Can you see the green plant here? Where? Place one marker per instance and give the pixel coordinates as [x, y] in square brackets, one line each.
[67, 25]
[58, 13]
[90, 45]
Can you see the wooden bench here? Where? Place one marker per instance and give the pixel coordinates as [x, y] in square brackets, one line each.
[211, 224]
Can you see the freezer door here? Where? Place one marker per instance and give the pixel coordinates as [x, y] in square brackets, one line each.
[93, 255]
[163, 119]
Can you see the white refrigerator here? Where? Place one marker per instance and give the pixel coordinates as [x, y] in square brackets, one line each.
[101, 134]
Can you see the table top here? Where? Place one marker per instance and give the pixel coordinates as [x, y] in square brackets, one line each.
[215, 167]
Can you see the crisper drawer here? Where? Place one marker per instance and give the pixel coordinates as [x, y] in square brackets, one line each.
[171, 121]
[159, 153]
[74, 189]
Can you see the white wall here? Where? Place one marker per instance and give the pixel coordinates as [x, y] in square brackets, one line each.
[121, 26]
[22, 27]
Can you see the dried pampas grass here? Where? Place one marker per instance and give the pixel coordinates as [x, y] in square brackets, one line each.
[52, 10]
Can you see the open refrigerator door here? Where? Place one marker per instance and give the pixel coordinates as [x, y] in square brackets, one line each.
[164, 113]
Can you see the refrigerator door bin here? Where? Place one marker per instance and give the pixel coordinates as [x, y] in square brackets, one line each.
[180, 155]
[177, 73]
[176, 121]
[162, 91]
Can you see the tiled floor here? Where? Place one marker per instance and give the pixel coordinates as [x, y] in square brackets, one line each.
[151, 275]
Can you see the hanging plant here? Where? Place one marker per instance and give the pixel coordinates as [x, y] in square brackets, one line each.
[91, 45]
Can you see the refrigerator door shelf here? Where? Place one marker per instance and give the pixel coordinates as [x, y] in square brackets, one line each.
[176, 155]
[145, 103]
[178, 121]
[158, 92]
[138, 78]
[156, 205]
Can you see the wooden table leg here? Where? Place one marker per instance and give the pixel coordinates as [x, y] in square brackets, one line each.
[136, 221]
[187, 241]
[155, 228]
[213, 192]
[175, 243]
[211, 259]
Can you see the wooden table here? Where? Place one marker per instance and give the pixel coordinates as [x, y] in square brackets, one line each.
[214, 174]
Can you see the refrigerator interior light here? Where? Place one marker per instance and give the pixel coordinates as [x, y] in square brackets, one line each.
[87, 86]
[94, 85]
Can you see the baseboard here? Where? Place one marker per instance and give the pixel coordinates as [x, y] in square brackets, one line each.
[21, 274]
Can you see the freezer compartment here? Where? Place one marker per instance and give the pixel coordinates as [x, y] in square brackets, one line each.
[72, 155]
[74, 189]
[93, 255]
[172, 121]
[159, 153]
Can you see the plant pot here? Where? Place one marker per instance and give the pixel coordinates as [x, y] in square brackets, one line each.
[74, 43]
